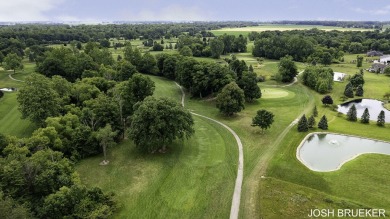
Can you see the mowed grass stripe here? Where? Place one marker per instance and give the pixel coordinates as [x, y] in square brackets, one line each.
[10, 118]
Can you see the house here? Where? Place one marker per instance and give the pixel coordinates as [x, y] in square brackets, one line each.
[385, 59]
[377, 68]
[374, 53]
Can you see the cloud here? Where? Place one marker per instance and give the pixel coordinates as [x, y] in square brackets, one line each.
[27, 10]
[381, 11]
[172, 13]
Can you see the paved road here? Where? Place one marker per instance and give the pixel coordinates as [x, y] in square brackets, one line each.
[240, 172]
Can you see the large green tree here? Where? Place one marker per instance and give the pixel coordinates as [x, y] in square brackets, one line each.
[106, 137]
[156, 123]
[216, 46]
[263, 119]
[287, 70]
[248, 83]
[12, 62]
[37, 99]
[231, 99]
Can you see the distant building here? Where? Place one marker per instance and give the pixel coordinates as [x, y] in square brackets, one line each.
[385, 59]
[374, 53]
[377, 68]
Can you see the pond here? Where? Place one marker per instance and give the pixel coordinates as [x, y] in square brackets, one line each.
[374, 108]
[328, 152]
[7, 89]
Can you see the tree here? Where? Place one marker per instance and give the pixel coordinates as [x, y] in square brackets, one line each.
[248, 83]
[13, 62]
[106, 137]
[327, 100]
[263, 119]
[148, 64]
[157, 47]
[37, 99]
[185, 51]
[356, 80]
[315, 111]
[359, 91]
[311, 122]
[1, 93]
[326, 58]
[323, 124]
[78, 201]
[352, 114]
[348, 92]
[156, 123]
[381, 119]
[387, 71]
[302, 124]
[216, 46]
[287, 69]
[359, 62]
[365, 117]
[231, 99]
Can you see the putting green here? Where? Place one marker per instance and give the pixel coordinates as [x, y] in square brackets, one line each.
[273, 93]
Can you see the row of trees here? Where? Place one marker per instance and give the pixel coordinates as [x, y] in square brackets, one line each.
[202, 46]
[365, 118]
[315, 46]
[305, 124]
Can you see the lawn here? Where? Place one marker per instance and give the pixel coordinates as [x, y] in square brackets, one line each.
[339, 189]
[195, 179]
[10, 118]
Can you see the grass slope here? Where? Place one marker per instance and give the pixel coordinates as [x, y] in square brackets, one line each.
[195, 179]
[10, 118]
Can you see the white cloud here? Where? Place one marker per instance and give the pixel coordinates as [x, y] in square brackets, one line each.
[171, 13]
[380, 11]
[26, 10]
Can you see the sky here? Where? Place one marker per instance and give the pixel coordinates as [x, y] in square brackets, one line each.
[193, 10]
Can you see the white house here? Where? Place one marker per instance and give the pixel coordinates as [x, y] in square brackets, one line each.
[385, 59]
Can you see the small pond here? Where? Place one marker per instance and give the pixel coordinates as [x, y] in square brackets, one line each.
[328, 152]
[374, 108]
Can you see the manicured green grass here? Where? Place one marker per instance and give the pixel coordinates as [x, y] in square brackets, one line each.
[279, 27]
[194, 179]
[10, 118]
[271, 93]
[361, 181]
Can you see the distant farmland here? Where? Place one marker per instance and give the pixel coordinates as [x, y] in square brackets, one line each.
[280, 27]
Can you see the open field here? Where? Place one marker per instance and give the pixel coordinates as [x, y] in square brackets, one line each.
[194, 179]
[279, 27]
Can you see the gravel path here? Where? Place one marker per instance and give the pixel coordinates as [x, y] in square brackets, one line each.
[240, 172]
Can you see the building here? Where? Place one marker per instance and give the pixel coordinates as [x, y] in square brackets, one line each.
[377, 68]
[385, 59]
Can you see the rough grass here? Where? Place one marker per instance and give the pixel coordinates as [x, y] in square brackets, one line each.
[195, 179]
